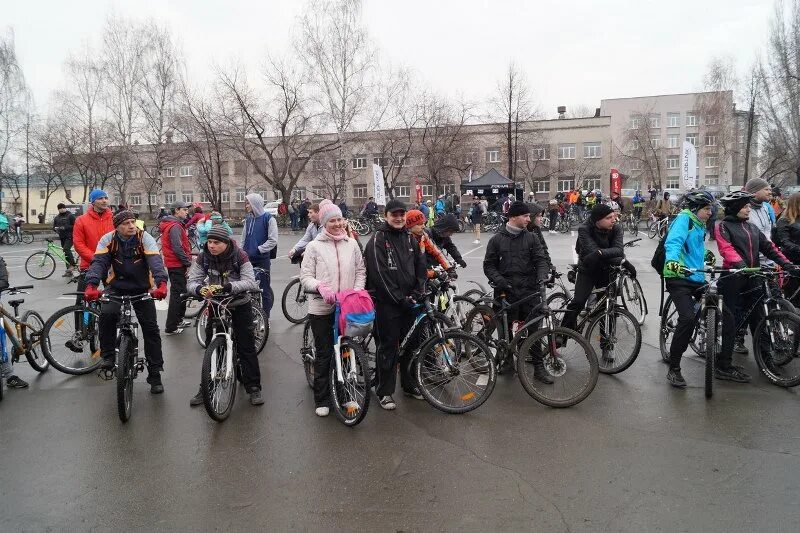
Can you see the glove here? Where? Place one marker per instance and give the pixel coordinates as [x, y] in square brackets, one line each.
[327, 293]
[228, 287]
[409, 302]
[710, 259]
[452, 273]
[160, 292]
[627, 265]
[675, 267]
[91, 293]
[462, 263]
[210, 290]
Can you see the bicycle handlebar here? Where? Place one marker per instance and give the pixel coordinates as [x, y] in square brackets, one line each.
[631, 243]
[120, 298]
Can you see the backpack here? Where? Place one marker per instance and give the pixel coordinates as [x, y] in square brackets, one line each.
[660, 255]
[355, 313]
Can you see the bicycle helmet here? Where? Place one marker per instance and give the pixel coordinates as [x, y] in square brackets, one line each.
[695, 200]
[735, 201]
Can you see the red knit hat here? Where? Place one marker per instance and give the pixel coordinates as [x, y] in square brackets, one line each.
[414, 217]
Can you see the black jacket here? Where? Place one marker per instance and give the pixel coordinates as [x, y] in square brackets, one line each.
[448, 222]
[395, 265]
[597, 249]
[787, 237]
[63, 224]
[516, 262]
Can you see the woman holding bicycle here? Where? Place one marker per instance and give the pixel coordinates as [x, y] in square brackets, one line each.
[331, 263]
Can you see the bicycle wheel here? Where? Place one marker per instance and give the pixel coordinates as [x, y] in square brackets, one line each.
[616, 338]
[308, 352]
[480, 322]
[781, 362]
[350, 396]
[653, 230]
[200, 326]
[573, 367]
[9, 237]
[360, 227]
[40, 265]
[125, 373]
[633, 299]
[32, 338]
[193, 307]
[458, 309]
[260, 328]
[70, 349]
[219, 389]
[634, 228]
[295, 302]
[711, 349]
[27, 237]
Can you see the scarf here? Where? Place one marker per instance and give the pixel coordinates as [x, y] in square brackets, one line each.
[333, 237]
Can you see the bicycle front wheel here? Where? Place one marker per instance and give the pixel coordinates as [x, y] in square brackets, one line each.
[572, 367]
[32, 338]
[70, 340]
[295, 302]
[350, 395]
[125, 372]
[633, 299]
[219, 388]
[711, 349]
[455, 372]
[780, 363]
[40, 265]
[260, 328]
[193, 307]
[616, 338]
[308, 352]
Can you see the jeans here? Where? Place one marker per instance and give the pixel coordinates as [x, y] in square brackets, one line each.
[392, 323]
[553, 220]
[322, 327]
[66, 245]
[732, 289]
[295, 218]
[5, 359]
[148, 324]
[177, 306]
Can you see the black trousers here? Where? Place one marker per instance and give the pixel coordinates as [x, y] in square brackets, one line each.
[732, 289]
[585, 283]
[66, 245]
[263, 280]
[244, 337]
[177, 307]
[553, 219]
[148, 324]
[79, 299]
[392, 322]
[322, 328]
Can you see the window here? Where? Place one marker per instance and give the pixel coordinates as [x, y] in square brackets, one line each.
[169, 198]
[116, 200]
[692, 138]
[188, 196]
[633, 145]
[711, 161]
[359, 191]
[449, 188]
[41, 194]
[566, 151]
[592, 183]
[636, 164]
[204, 198]
[566, 185]
[541, 153]
[711, 140]
[493, 155]
[403, 191]
[541, 186]
[225, 197]
[318, 192]
[380, 161]
[471, 157]
[655, 121]
[169, 172]
[672, 141]
[711, 179]
[186, 171]
[33, 212]
[673, 120]
[592, 150]
[240, 194]
[359, 162]
[712, 119]
[427, 190]
[691, 119]
[655, 142]
[672, 182]
[672, 162]
[635, 122]
[135, 199]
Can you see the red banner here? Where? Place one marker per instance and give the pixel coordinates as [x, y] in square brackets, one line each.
[418, 190]
[616, 181]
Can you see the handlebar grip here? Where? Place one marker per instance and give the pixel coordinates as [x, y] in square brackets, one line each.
[20, 288]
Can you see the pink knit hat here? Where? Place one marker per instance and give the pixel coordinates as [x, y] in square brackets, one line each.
[327, 211]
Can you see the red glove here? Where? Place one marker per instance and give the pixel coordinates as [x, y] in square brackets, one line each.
[161, 292]
[91, 293]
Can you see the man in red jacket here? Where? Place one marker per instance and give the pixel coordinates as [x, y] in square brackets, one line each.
[88, 229]
[177, 254]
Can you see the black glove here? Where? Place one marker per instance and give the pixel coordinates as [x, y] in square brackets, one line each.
[627, 265]
[227, 287]
[409, 303]
[462, 263]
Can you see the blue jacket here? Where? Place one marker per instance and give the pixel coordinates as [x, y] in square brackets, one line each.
[439, 207]
[686, 244]
[425, 209]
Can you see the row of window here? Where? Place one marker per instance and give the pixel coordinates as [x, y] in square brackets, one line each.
[567, 184]
[673, 120]
[673, 141]
[673, 162]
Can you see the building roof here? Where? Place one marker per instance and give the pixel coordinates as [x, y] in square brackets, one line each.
[492, 178]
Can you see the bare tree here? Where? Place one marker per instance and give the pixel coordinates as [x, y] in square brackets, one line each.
[512, 102]
[12, 108]
[442, 138]
[643, 154]
[715, 110]
[50, 169]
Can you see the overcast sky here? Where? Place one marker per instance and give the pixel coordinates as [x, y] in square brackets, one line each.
[573, 53]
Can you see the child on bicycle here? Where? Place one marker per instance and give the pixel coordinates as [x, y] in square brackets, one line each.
[415, 222]
[331, 263]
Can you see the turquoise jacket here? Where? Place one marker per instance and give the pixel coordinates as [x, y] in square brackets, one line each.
[204, 227]
[686, 244]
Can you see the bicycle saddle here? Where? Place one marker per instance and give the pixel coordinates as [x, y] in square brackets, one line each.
[15, 303]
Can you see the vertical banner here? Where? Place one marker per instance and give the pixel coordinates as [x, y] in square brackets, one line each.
[616, 181]
[380, 187]
[689, 166]
[418, 191]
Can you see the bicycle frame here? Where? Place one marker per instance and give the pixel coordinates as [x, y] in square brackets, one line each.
[14, 334]
[426, 311]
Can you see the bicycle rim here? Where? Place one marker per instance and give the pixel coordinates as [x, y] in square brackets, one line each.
[33, 340]
[70, 349]
[308, 352]
[350, 396]
[616, 339]
[711, 334]
[260, 328]
[633, 299]
[219, 392]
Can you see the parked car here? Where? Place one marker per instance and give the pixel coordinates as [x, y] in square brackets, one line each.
[272, 208]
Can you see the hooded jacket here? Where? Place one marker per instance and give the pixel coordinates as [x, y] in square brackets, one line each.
[686, 244]
[260, 233]
[88, 230]
[762, 216]
[337, 264]
[597, 249]
[740, 243]
[516, 262]
[395, 265]
[447, 222]
[232, 266]
[63, 224]
[175, 243]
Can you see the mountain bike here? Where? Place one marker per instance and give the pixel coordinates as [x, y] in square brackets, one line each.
[42, 264]
[71, 336]
[26, 333]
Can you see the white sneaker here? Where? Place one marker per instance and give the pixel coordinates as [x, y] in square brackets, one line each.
[552, 231]
[322, 411]
[176, 332]
[387, 402]
[476, 241]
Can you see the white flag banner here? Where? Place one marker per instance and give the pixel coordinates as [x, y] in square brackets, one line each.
[380, 188]
[689, 166]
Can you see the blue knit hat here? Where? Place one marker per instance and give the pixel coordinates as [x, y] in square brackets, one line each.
[96, 195]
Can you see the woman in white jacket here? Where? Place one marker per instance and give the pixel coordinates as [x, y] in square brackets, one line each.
[332, 263]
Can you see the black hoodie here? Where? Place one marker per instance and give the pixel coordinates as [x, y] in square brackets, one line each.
[395, 265]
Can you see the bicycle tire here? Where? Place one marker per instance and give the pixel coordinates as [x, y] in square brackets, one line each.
[89, 334]
[125, 371]
[786, 349]
[208, 386]
[557, 365]
[350, 401]
[40, 265]
[260, 329]
[9, 238]
[607, 362]
[295, 306]
[652, 231]
[666, 330]
[638, 310]
[34, 354]
[308, 352]
[27, 237]
[432, 376]
[635, 228]
[200, 326]
[473, 294]
[711, 348]
[458, 308]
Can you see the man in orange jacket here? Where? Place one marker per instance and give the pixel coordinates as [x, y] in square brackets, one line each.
[88, 229]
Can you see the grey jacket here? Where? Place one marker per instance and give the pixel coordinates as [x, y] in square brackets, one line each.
[311, 233]
[205, 266]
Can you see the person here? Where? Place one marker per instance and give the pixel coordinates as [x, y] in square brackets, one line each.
[88, 229]
[553, 210]
[177, 258]
[485, 204]
[531, 197]
[516, 264]
[777, 202]
[128, 263]
[762, 215]
[370, 208]
[455, 201]
[294, 214]
[332, 263]
[664, 206]
[638, 205]
[162, 212]
[41, 217]
[396, 274]
[476, 216]
[787, 237]
[440, 206]
[535, 227]
[303, 212]
[741, 244]
[431, 213]
[139, 221]
[507, 205]
[423, 207]
[259, 238]
[440, 234]
[311, 233]
[684, 249]
[214, 220]
[6, 369]
[599, 246]
[19, 220]
[222, 263]
[415, 223]
[343, 208]
[63, 223]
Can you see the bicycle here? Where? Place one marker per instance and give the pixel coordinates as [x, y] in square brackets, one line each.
[41, 265]
[294, 302]
[24, 237]
[74, 327]
[260, 322]
[631, 223]
[524, 343]
[26, 333]
[8, 237]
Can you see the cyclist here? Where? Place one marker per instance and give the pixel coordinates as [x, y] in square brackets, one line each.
[177, 258]
[515, 263]
[221, 263]
[475, 216]
[88, 229]
[259, 239]
[396, 276]
[332, 263]
[313, 229]
[740, 243]
[440, 234]
[63, 223]
[684, 248]
[415, 223]
[370, 208]
[128, 262]
[663, 207]
[638, 205]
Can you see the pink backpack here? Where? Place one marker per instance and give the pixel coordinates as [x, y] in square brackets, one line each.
[355, 312]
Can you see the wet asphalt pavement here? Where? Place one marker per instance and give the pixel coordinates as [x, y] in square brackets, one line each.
[637, 455]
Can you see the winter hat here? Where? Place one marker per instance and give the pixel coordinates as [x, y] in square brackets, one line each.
[218, 233]
[518, 208]
[122, 216]
[96, 195]
[327, 211]
[754, 185]
[216, 215]
[535, 209]
[394, 205]
[599, 212]
[414, 218]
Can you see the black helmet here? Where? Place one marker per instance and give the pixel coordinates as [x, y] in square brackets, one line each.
[735, 201]
[698, 199]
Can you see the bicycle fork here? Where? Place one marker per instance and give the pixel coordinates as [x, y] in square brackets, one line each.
[228, 358]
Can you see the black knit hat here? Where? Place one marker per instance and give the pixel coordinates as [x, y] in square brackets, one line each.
[219, 233]
[599, 212]
[122, 216]
[518, 208]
